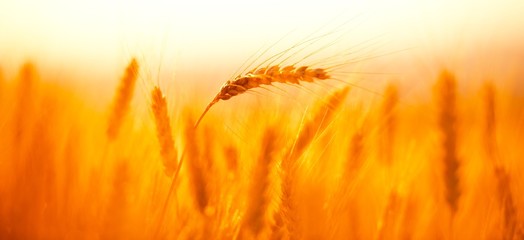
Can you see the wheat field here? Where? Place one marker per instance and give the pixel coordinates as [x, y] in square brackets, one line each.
[446, 168]
[294, 145]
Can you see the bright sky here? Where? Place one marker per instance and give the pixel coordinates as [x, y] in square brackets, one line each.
[192, 34]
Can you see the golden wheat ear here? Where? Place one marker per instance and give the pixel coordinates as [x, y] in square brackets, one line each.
[446, 97]
[122, 99]
[164, 135]
[266, 76]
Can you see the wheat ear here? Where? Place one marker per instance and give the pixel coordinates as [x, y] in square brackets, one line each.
[254, 218]
[197, 172]
[163, 130]
[446, 99]
[122, 99]
[317, 124]
[266, 76]
[287, 217]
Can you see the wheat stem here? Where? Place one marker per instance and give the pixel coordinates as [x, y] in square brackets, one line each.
[122, 99]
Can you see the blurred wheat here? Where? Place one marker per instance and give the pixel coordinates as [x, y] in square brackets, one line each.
[320, 177]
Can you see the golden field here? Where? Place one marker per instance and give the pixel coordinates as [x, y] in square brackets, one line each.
[349, 120]
[281, 163]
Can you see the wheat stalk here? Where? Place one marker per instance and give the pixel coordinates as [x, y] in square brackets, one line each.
[163, 130]
[197, 174]
[168, 151]
[446, 98]
[259, 198]
[122, 99]
[286, 217]
[266, 76]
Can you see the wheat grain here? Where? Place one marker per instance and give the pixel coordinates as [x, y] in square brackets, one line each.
[122, 99]
[447, 119]
[163, 130]
[266, 76]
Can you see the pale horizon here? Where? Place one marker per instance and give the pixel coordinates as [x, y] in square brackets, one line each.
[185, 37]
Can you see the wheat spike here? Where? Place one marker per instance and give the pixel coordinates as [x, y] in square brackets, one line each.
[122, 99]
[446, 100]
[266, 76]
[163, 127]
[318, 123]
[198, 174]
[259, 198]
[286, 217]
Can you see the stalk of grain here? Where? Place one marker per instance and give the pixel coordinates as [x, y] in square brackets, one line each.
[503, 178]
[122, 99]
[310, 129]
[168, 151]
[387, 136]
[446, 98]
[254, 221]
[286, 218]
[197, 174]
[266, 76]
[256, 78]
[163, 130]
[253, 79]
